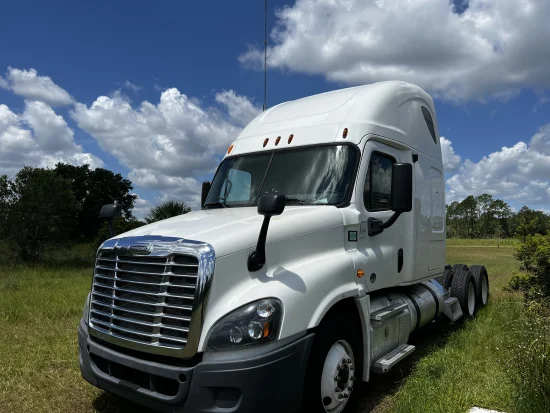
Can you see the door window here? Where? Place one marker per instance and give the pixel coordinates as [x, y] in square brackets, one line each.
[377, 192]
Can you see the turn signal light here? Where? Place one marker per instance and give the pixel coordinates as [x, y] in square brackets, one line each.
[360, 273]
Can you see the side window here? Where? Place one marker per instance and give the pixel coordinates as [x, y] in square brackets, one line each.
[377, 192]
[236, 189]
[429, 122]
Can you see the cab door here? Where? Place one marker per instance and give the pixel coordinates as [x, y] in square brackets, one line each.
[384, 253]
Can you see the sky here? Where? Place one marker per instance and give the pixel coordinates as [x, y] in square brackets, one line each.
[156, 91]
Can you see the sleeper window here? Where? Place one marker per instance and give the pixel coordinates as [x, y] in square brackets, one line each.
[377, 193]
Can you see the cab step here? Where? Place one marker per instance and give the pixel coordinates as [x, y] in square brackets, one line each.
[385, 364]
[387, 312]
[451, 308]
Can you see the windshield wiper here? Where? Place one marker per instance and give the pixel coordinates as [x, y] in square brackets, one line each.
[296, 201]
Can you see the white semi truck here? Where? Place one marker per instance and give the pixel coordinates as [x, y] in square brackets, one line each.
[319, 248]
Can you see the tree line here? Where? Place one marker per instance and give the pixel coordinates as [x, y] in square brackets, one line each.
[486, 217]
[42, 208]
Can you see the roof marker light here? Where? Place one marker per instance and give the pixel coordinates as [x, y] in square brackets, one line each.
[290, 138]
[277, 140]
[266, 140]
[345, 133]
[229, 149]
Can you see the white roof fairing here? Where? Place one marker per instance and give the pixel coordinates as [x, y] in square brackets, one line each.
[391, 109]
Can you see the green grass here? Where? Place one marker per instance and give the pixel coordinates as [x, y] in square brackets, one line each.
[480, 242]
[453, 368]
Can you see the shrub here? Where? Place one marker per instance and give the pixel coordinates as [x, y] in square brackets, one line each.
[534, 254]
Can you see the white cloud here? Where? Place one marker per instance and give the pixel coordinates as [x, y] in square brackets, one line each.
[141, 207]
[165, 145]
[4, 83]
[131, 86]
[542, 101]
[38, 137]
[493, 48]
[240, 109]
[451, 161]
[519, 174]
[28, 84]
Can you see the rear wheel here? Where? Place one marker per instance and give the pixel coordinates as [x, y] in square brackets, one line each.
[457, 267]
[448, 278]
[335, 363]
[481, 279]
[464, 289]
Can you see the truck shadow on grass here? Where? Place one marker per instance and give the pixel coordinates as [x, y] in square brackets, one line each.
[373, 395]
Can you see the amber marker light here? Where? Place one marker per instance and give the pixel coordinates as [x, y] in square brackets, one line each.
[345, 133]
[290, 138]
[277, 140]
[229, 149]
[360, 273]
[266, 140]
[266, 329]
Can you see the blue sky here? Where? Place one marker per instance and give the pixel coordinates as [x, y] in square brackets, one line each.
[486, 62]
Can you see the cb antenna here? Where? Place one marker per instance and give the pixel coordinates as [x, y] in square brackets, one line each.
[265, 55]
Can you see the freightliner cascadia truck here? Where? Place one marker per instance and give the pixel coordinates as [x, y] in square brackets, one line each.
[318, 249]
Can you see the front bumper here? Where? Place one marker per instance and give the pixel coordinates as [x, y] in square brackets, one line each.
[271, 382]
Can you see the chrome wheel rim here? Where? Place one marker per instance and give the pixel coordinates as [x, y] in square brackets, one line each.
[484, 290]
[337, 377]
[471, 298]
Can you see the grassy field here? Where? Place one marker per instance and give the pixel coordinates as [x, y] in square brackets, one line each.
[453, 369]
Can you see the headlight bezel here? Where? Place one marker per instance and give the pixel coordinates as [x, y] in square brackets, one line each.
[218, 338]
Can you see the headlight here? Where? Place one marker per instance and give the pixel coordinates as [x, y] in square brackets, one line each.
[253, 324]
[86, 309]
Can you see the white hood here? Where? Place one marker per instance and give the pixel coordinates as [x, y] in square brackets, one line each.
[230, 230]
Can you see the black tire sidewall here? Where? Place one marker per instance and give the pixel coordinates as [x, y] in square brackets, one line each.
[479, 272]
[459, 289]
[330, 331]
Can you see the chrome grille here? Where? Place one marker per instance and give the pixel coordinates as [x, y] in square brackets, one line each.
[144, 299]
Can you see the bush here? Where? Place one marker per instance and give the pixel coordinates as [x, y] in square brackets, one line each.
[534, 254]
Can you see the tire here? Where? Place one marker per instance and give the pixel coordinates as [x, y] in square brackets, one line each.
[334, 334]
[447, 278]
[457, 267]
[481, 279]
[463, 287]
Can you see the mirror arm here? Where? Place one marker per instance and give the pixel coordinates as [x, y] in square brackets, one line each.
[256, 259]
[111, 228]
[376, 226]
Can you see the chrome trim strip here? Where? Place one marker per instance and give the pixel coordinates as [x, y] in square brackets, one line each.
[158, 246]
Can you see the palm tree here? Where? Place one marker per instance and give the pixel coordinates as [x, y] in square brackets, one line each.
[167, 209]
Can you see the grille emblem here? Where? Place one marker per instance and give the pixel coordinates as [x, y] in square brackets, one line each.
[143, 249]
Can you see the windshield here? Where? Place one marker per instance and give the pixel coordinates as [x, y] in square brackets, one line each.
[320, 175]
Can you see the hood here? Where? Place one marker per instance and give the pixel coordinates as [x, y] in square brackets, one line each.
[230, 230]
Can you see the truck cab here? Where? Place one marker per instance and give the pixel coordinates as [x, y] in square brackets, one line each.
[319, 248]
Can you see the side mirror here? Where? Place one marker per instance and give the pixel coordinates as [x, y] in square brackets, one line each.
[206, 185]
[401, 187]
[109, 212]
[401, 197]
[268, 206]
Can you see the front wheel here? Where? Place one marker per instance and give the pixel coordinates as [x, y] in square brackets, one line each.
[335, 364]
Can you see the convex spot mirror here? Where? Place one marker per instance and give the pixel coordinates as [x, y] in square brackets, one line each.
[110, 211]
[271, 204]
